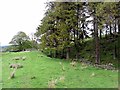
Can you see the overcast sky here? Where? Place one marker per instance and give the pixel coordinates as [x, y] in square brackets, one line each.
[19, 15]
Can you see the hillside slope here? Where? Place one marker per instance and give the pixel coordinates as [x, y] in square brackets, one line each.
[40, 71]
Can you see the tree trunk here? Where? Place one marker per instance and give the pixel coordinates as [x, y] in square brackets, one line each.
[118, 39]
[100, 34]
[119, 25]
[77, 56]
[110, 29]
[55, 53]
[115, 49]
[62, 54]
[106, 34]
[67, 53]
[97, 46]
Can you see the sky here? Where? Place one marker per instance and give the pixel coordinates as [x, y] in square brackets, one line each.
[19, 15]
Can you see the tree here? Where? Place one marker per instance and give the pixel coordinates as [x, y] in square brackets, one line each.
[60, 29]
[20, 40]
[65, 27]
[93, 12]
[107, 12]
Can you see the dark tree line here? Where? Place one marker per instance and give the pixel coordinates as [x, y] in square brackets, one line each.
[67, 25]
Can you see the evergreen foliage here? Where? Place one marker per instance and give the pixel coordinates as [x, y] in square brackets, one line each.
[66, 27]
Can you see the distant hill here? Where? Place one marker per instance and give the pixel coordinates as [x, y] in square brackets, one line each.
[3, 48]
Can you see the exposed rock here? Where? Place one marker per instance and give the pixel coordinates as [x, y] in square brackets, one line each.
[73, 63]
[16, 66]
[106, 66]
[16, 58]
[19, 58]
[23, 58]
[12, 75]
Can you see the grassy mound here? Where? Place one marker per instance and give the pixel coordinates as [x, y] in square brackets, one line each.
[40, 71]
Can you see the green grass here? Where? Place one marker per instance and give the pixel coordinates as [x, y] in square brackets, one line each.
[46, 69]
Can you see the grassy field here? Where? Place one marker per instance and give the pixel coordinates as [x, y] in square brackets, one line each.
[40, 71]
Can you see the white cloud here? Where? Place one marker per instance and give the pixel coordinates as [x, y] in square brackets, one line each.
[19, 15]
